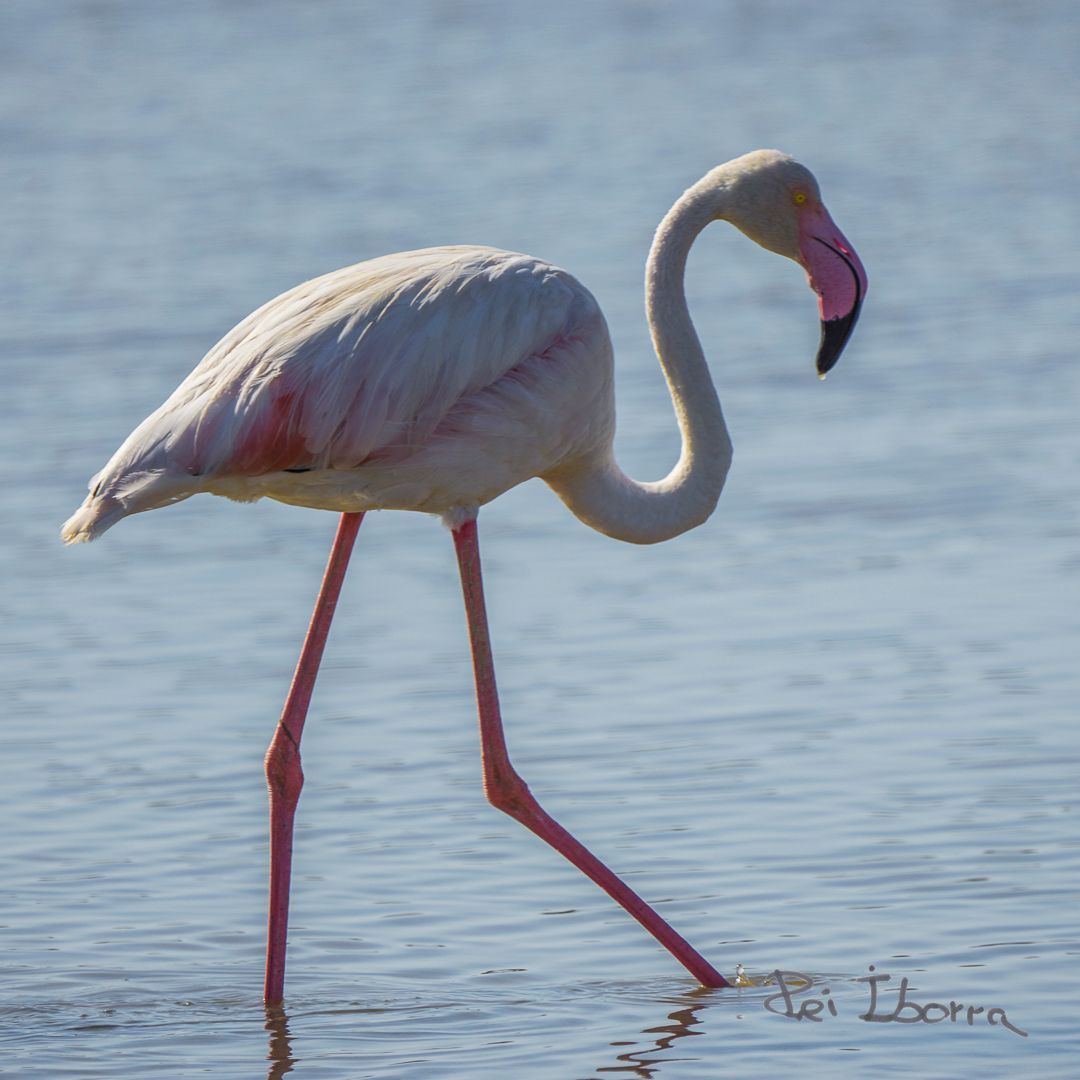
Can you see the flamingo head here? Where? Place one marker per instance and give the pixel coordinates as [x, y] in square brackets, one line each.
[776, 202]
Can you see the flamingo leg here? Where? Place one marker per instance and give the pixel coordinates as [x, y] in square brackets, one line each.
[506, 790]
[284, 776]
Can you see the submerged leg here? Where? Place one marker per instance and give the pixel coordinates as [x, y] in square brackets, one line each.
[508, 792]
[284, 776]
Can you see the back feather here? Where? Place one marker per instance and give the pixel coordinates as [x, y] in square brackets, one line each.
[356, 366]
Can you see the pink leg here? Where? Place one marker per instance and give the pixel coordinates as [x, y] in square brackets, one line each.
[508, 792]
[284, 776]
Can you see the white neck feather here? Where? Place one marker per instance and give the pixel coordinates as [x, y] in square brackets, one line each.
[602, 495]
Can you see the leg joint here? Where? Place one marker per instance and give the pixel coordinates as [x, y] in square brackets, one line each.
[506, 791]
[284, 773]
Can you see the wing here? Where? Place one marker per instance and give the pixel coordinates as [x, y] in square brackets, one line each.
[359, 365]
[363, 363]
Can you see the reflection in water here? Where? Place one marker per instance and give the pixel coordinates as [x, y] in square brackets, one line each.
[643, 1062]
[279, 1052]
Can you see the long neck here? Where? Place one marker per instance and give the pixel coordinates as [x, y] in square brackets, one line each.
[602, 495]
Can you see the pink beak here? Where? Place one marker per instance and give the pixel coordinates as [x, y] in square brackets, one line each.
[837, 276]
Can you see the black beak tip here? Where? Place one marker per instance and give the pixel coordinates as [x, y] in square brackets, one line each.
[834, 336]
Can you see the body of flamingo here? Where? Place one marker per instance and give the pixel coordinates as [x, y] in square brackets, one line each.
[434, 380]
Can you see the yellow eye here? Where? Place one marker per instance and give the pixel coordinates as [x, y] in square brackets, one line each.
[799, 198]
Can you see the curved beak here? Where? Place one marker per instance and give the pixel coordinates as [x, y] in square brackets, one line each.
[837, 276]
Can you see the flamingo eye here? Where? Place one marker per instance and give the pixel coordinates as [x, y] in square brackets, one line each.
[799, 198]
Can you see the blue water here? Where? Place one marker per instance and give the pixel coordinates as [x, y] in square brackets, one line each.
[834, 727]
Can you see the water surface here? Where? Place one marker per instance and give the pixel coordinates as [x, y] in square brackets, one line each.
[835, 727]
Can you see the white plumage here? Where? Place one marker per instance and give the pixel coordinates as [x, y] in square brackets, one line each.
[435, 380]
[427, 380]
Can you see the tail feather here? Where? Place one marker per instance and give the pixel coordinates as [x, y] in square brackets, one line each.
[98, 513]
[142, 475]
[116, 497]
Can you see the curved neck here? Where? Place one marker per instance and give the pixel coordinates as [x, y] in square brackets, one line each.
[602, 495]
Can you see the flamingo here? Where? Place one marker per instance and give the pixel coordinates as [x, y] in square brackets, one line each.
[435, 380]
